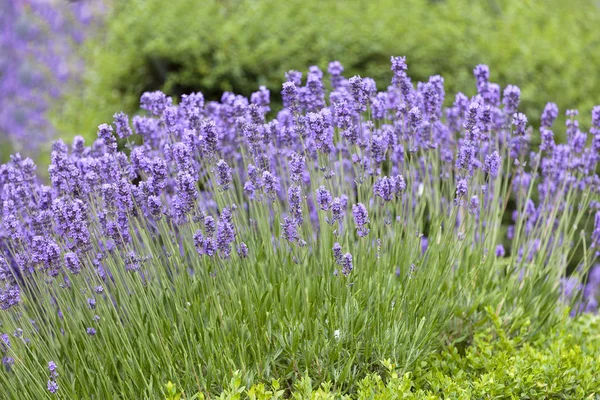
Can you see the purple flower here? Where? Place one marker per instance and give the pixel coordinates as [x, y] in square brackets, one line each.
[262, 98]
[492, 164]
[91, 331]
[335, 69]
[547, 137]
[511, 99]
[465, 159]
[121, 121]
[461, 189]
[359, 94]
[199, 241]
[399, 185]
[385, 188]
[242, 250]
[8, 362]
[4, 342]
[155, 207]
[209, 225]
[414, 119]
[290, 232]
[346, 263]
[324, 198]
[399, 68]
[519, 122]
[225, 232]
[155, 102]
[294, 76]
[52, 386]
[337, 253]
[249, 190]
[500, 252]
[596, 232]
[270, 184]
[52, 368]
[289, 95]
[549, 115]
[470, 125]
[337, 209]
[72, 263]
[482, 74]
[208, 132]
[296, 167]
[223, 175]
[361, 218]
[474, 205]
[105, 133]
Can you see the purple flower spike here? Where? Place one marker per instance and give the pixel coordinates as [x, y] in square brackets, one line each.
[474, 205]
[549, 115]
[511, 99]
[290, 232]
[223, 175]
[324, 198]
[596, 232]
[337, 253]
[500, 252]
[461, 190]
[121, 121]
[347, 265]
[361, 218]
[52, 386]
[385, 187]
[242, 250]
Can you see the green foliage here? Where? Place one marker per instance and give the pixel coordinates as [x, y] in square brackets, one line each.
[559, 364]
[545, 47]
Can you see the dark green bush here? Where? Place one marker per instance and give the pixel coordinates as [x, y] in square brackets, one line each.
[545, 47]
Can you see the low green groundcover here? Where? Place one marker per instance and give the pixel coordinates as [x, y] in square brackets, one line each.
[564, 364]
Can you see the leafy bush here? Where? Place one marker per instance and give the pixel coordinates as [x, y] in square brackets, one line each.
[558, 364]
[546, 48]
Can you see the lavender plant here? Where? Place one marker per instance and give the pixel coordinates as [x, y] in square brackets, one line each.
[38, 60]
[357, 225]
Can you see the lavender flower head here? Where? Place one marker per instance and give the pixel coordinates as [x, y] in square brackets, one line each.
[549, 115]
[52, 386]
[511, 99]
[224, 175]
[461, 190]
[347, 265]
[324, 198]
[361, 218]
[121, 121]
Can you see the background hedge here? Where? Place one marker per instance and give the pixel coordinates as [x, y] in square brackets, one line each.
[548, 48]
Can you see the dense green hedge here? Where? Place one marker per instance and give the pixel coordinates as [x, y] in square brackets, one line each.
[562, 364]
[548, 48]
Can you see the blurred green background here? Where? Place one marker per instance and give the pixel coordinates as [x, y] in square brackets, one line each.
[548, 48]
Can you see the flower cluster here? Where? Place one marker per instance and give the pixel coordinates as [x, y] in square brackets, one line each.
[38, 59]
[336, 175]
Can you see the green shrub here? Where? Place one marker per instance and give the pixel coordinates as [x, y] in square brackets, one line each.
[559, 364]
[547, 48]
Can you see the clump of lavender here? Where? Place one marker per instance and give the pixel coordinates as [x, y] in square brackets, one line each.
[221, 221]
[38, 59]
